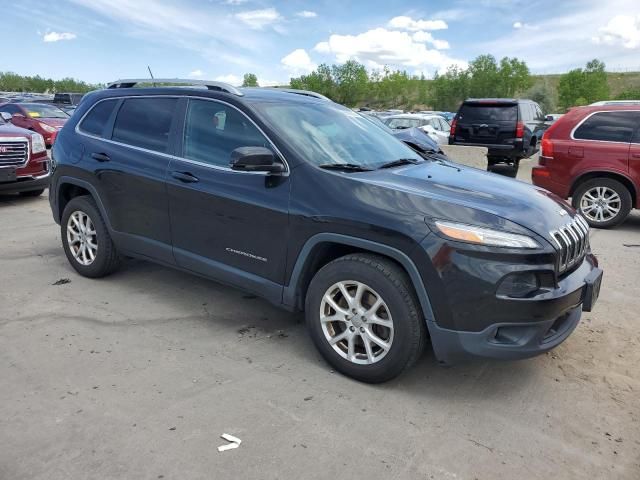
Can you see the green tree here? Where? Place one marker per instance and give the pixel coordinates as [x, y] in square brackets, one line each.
[512, 77]
[320, 81]
[351, 80]
[483, 72]
[581, 87]
[633, 94]
[543, 95]
[250, 80]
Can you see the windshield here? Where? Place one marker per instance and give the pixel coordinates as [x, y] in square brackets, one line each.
[327, 133]
[404, 122]
[37, 110]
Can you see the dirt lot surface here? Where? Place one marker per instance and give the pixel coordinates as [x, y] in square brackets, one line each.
[137, 375]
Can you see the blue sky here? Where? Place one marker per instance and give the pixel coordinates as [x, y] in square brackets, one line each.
[102, 40]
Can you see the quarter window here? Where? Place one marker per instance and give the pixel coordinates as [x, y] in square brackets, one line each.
[145, 122]
[608, 127]
[213, 130]
[96, 120]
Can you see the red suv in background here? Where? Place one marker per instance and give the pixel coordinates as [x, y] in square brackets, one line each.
[39, 117]
[592, 154]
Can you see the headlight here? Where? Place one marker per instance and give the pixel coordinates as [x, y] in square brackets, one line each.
[48, 128]
[37, 143]
[485, 236]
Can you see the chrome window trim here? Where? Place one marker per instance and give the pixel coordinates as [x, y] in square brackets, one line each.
[573, 131]
[79, 131]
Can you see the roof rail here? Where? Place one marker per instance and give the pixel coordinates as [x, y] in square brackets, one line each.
[307, 93]
[210, 84]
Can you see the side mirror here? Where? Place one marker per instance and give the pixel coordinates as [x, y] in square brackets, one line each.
[255, 159]
[6, 116]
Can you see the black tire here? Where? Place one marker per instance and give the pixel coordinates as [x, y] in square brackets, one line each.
[394, 286]
[107, 259]
[32, 193]
[625, 203]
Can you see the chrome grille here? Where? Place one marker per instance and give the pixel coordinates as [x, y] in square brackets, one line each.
[572, 241]
[14, 152]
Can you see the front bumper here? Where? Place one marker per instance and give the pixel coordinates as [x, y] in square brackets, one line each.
[472, 320]
[26, 183]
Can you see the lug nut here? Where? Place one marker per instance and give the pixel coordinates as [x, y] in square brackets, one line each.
[362, 329]
[353, 329]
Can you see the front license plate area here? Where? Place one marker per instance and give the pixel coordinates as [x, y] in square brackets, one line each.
[7, 175]
[591, 290]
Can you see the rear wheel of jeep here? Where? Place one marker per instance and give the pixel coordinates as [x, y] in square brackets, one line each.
[86, 240]
[364, 317]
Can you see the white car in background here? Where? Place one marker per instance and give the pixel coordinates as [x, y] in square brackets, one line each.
[434, 125]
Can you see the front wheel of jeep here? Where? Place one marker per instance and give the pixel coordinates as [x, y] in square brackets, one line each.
[364, 317]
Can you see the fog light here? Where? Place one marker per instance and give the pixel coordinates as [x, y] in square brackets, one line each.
[519, 285]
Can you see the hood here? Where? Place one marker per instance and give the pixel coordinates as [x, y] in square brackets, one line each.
[473, 196]
[10, 130]
[54, 122]
[417, 137]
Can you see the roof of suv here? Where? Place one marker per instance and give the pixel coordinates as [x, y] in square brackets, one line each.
[497, 100]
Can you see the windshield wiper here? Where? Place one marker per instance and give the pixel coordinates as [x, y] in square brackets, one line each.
[399, 162]
[352, 167]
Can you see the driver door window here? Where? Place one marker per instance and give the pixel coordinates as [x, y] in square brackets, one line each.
[213, 130]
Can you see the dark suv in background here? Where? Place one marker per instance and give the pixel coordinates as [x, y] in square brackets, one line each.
[510, 128]
[315, 208]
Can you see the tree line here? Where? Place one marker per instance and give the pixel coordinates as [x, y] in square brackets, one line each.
[353, 85]
[12, 82]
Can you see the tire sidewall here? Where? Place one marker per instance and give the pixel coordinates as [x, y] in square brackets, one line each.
[401, 313]
[98, 266]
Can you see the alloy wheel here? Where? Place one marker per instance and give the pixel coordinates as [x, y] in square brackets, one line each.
[600, 204]
[356, 322]
[82, 238]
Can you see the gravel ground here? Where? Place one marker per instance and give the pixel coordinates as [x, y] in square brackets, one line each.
[137, 376]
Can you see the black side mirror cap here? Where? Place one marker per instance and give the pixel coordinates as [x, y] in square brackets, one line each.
[255, 159]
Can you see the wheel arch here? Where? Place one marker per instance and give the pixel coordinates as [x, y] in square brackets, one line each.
[620, 177]
[68, 188]
[325, 247]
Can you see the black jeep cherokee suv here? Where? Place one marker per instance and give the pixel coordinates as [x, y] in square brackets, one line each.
[313, 207]
[511, 129]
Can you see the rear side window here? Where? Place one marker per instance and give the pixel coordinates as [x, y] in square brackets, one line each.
[484, 113]
[145, 123]
[96, 120]
[608, 127]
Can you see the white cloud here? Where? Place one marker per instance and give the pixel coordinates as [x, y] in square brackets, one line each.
[258, 19]
[57, 36]
[231, 79]
[387, 47]
[307, 14]
[425, 37]
[621, 30]
[298, 62]
[408, 23]
[517, 25]
[196, 74]
[234, 2]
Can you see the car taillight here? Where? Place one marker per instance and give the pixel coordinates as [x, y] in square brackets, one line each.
[546, 146]
[454, 123]
[519, 130]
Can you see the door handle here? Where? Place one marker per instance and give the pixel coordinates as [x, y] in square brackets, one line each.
[185, 177]
[635, 155]
[100, 157]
